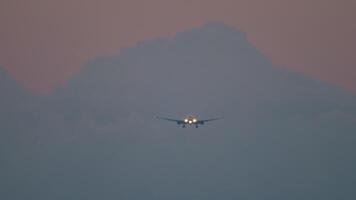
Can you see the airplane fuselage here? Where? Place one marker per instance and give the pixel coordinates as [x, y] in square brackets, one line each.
[189, 120]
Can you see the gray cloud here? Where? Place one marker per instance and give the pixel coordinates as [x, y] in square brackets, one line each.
[284, 136]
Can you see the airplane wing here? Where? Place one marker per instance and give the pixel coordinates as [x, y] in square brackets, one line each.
[208, 120]
[172, 120]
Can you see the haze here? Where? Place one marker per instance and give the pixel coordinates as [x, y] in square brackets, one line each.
[284, 135]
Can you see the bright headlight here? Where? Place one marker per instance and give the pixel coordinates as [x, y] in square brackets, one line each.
[186, 120]
[195, 120]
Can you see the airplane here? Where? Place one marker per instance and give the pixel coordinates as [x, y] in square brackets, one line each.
[189, 120]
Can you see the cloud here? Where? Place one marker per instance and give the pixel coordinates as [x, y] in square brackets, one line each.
[284, 135]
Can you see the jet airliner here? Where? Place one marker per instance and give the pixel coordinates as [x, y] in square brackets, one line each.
[189, 120]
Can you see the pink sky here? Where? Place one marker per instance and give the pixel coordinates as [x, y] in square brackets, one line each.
[43, 42]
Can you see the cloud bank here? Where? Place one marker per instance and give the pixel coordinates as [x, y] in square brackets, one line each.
[284, 135]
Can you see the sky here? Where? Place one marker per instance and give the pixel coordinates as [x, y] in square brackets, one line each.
[44, 42]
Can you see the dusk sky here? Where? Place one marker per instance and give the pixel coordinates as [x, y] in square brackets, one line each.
[284, 134]
[44, 42]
